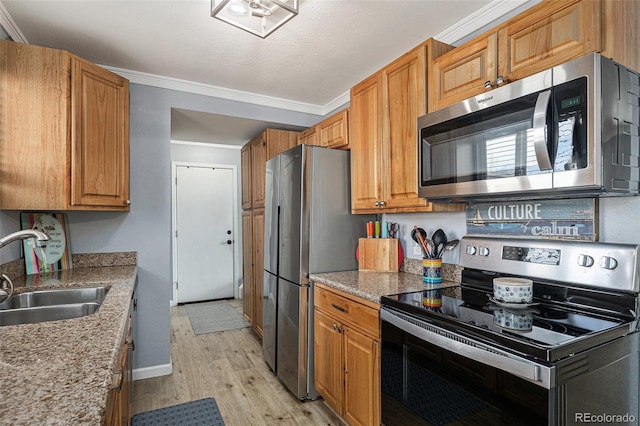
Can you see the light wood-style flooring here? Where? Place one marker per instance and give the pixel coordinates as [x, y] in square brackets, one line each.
[229, 367]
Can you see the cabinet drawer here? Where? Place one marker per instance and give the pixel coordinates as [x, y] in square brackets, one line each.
[347, 310]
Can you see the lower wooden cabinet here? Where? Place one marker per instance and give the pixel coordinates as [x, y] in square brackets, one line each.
[119, 403]
[253, 266]
[347, 355]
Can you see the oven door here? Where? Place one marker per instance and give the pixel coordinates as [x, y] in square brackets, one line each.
[431, 376]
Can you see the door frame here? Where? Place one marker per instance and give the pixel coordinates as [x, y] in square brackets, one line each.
[237, 242]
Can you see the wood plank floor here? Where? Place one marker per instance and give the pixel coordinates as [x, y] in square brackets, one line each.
[229, 367]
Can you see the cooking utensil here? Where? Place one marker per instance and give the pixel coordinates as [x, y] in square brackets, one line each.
[416, 234]
[439, 239]
[393, 228]
[449, 246]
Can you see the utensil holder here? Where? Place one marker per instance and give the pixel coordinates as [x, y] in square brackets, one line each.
[432, 270]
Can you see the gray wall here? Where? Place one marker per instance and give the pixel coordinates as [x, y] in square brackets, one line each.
[618, 223]
[147, 227]
[201, 153]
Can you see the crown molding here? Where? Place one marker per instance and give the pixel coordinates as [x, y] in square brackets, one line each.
[483, 17]
[214, 91]
[6, 21]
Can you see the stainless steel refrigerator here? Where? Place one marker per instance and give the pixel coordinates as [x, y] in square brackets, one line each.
[309, 228]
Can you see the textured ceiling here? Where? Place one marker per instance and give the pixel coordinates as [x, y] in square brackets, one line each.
[313, 59]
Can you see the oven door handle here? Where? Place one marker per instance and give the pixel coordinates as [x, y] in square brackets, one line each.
[461, 345]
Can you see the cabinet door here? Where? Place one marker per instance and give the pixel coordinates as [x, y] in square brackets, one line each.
[99, 137]
[308, 136]
[462, 72]
[405, 100]
[333, 132]
[551, 34]
[279, 141]
[247, 266]
[362, 379]
[245, 161]
[328, 369]
[258, 169]
[365, 138]
[258, 268]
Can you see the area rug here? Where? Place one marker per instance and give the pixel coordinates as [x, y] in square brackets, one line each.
[203, 412]
[218, 315]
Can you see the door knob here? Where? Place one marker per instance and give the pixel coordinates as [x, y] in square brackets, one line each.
[229, 241]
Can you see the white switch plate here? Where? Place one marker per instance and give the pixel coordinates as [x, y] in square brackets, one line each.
[416, 249]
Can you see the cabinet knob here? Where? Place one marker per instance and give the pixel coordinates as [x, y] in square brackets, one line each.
[377, 204]
[488, 85]
[500, 80]
[128, 202]
[381, 203]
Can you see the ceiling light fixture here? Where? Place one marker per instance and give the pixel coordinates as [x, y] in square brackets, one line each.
[259, 17]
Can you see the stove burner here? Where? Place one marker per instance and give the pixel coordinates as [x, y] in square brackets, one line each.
[556, 314]
[557, 327]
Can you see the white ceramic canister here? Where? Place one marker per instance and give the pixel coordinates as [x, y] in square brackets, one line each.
[512, 290]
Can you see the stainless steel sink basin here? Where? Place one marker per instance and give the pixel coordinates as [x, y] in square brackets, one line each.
[46, 313]
[38, 298]
[51, 305]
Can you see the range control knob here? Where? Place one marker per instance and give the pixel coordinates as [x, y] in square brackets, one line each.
[471, 250]
[483, 251]
[607, 262]
[585, 260]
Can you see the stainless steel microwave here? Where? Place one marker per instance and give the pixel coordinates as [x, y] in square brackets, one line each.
[570, 131]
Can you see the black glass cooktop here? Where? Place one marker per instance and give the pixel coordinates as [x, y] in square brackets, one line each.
[537, 329]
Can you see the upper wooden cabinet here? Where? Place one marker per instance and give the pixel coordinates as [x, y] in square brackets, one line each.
[254, 156]
[245, 167]
[332, 132]
[65, 138]
[548, 34]
[382, 129]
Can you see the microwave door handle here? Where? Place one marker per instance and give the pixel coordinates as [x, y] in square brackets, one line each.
[539, 133]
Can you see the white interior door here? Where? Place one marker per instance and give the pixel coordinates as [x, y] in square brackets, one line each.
[204, 233]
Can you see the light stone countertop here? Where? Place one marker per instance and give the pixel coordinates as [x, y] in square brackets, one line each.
[372, 286]
[61, 372]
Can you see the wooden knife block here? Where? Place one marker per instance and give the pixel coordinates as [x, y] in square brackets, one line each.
[378, 254]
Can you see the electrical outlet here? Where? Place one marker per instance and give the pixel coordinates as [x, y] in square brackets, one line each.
[416, 250]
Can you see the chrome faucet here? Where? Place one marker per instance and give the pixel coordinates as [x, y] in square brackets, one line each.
[41, 240]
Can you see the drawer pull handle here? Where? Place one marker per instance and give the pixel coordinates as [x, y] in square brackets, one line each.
[340, 308]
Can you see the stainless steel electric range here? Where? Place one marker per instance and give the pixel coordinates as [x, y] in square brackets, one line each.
[456, 356]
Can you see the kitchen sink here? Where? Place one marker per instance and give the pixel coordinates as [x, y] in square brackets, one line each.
[51, 305]
[46, 313]
[32, 299]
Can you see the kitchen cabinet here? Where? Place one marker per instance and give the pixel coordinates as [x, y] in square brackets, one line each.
[308, 136]
[247, 266]
[382, 130]
[119, 403]
[65, 139]
[257, 220]
[254, 156]
[245, 170]
[332, 132]
[253, 266]
[347, 355]
[546, 35]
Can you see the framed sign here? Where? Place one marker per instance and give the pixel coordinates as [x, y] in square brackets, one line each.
[543, 219]
[56, 255]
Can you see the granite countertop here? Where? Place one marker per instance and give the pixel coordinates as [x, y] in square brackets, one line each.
[61, 372]
[372, 286]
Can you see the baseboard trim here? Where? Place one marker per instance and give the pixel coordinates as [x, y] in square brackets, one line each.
[153, 371]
